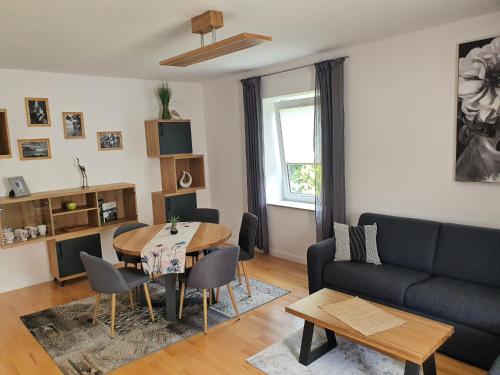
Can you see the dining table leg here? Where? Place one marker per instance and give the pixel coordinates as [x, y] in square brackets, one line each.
[170, 296]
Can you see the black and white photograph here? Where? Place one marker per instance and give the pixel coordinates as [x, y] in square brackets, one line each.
[73, 125]
[109, 141]
[478, 111]
[109, 212]
[37, 111]
[34, 149]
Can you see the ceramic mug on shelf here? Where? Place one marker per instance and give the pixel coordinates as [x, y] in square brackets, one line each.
[8, 237]
[22, 234]
[33, 231]
[42, 229]
[7, 230]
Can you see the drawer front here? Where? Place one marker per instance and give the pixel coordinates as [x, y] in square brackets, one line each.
[68, 253]
[175, 138]
[182, 206]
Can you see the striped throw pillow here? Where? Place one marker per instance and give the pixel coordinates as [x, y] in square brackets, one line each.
[356, 244]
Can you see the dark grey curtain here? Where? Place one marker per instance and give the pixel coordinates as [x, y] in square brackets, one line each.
[329, 146]
[254, 144]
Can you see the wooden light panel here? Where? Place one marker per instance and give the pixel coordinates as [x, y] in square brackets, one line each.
[217, 49]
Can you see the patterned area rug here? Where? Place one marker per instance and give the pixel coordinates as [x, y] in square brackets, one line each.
[78, 348]
[347, 359]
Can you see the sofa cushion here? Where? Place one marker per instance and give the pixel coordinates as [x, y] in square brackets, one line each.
[468, 253]
[383, 282]
[404, 242]
[474, 305]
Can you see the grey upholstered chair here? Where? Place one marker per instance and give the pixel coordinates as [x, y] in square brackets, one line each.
[246, 241]
[212, 271]
[104, 278]
[205, 215]
[128, 258]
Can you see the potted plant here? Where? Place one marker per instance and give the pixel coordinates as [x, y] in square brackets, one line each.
[165, 95]
[173, 224]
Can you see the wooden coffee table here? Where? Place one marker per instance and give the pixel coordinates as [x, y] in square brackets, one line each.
[415, 342]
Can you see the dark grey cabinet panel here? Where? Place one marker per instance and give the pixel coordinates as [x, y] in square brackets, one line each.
[175, 138]
[68, 253]
[181, 205]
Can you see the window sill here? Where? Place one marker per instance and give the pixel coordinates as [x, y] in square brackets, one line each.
[292, 204]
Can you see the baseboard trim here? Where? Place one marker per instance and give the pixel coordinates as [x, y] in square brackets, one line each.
[285, 255]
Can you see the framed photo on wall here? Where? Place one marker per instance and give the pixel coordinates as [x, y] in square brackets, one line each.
[478, 111]
[34, 149]
[109, 140]
[37, 111]
[73, 125]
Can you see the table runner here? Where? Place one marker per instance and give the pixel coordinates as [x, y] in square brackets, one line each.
[363, 316]
[166, 253]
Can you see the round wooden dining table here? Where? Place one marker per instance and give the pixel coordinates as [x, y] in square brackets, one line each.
[207, 236]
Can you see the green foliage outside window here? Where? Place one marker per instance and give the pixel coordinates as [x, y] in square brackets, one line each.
[302, 178]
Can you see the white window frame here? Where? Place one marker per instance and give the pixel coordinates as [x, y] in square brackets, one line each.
[288, 195]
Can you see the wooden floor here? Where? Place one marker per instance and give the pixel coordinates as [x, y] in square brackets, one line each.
[223, 351]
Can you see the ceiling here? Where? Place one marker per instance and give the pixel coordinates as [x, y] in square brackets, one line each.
[128, 38]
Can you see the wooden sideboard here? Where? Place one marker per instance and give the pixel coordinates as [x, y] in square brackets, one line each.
[65, 227]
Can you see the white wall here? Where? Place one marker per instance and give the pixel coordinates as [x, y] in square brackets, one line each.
[400, 134]
[107, 104]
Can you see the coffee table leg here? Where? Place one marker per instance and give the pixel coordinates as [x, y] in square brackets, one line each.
[429, 367]
[306, 355]
[170, 296]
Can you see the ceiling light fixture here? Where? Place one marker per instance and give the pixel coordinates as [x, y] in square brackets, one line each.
[209, 22]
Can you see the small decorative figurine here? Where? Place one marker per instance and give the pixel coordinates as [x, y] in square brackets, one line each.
[83, 173]
[186, 180]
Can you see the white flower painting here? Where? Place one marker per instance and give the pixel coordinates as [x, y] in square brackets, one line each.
[478, 118]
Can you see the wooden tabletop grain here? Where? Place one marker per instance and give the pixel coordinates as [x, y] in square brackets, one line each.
[414, 341]
[208, 235]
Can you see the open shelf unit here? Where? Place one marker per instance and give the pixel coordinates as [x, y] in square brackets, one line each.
[5, 150]
[172, 166]
[170, 141]
[49, 208]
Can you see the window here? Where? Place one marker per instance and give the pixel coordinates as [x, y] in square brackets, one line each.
[295, 130]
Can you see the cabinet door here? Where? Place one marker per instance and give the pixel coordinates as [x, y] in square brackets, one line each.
[68, 253]
[182, 206]
[175, 138]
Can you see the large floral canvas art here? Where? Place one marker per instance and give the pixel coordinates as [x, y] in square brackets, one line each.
[478, 111]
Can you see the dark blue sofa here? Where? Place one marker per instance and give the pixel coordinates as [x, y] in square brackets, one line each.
[446, 272]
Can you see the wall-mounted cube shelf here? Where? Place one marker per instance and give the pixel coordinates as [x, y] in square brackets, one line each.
[168, 137]
[170, 141]
[172, 167]
[5, 150]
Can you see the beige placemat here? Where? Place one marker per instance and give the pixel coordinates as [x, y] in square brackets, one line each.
[363, 316]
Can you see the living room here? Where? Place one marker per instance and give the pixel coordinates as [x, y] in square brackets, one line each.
[404, 115]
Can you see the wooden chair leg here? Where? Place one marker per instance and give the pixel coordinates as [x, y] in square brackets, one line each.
[210, 292]
[113, 310]
[181, 302]
[205, 312]
[131, 298]
[233, 301]
[217, 295]
[247, 280]
[96, 310]
[239, 273]
[148, 300]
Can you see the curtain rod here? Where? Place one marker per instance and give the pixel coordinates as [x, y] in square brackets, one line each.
[296, 68]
